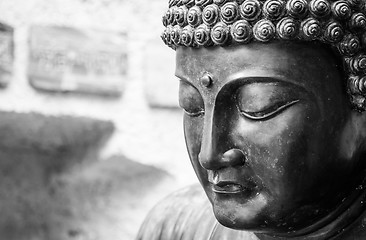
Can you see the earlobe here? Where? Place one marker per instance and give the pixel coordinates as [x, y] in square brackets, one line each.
[354, 135]
[359, 122]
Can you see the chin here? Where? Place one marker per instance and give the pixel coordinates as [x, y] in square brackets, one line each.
[242, 216]
[230, 222]
[257, 225]
[255, 215]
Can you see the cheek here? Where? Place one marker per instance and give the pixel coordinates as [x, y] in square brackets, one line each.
[278, 149]
[193, 134]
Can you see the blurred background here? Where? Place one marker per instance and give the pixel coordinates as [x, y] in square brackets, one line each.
[91, 135]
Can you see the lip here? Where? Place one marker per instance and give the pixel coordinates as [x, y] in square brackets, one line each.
[233, 181]
[228, 188]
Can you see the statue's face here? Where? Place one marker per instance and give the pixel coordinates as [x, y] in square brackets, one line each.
[271, 137]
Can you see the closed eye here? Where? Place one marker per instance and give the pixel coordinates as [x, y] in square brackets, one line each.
[190, 100]
[194, 114]
[269, 112]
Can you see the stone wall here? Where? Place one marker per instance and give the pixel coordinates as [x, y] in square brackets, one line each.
[143, 26]
[108, 187]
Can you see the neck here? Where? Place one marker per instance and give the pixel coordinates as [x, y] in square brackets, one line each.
[335, 223]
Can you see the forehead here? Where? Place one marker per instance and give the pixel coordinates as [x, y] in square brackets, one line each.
[297, 63]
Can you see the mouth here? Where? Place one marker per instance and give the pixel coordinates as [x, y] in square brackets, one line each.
[227, 187]
[234, 188]
[230, 181]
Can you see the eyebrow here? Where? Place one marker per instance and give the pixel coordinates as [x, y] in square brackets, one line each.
[259, 79]
[243, 75]
[179, 74]
[247, 78]
[181, 78]
[185, 81]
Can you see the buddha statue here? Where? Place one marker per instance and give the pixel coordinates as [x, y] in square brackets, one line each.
[274, 100]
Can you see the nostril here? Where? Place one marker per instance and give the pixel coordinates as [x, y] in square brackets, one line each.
[233, 157]
[209, 161]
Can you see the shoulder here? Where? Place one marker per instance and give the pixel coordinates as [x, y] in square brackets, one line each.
[186, 214]
[178, 213]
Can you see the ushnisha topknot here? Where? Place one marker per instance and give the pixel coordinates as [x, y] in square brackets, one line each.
[341, 24]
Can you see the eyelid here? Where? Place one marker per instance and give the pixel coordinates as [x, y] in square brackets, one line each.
[195, 114]
[197, 109]
[251, 115]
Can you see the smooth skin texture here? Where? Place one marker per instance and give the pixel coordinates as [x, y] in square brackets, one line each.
[272, 139]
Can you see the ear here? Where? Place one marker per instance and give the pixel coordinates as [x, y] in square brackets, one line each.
[359, 123]
[354, 135]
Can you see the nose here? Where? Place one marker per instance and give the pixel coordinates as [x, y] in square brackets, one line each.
[214, 144]
[231, 158]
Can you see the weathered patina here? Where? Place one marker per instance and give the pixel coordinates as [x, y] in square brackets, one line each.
[275, 129]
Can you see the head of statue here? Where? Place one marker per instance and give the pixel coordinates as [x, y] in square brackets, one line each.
[273, 93]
